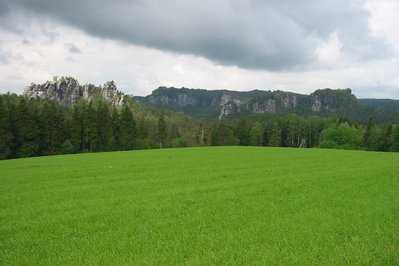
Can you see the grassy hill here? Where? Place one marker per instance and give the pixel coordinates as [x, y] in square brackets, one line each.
[214, 205]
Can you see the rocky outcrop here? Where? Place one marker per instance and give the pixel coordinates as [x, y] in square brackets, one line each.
[67, 91]
[268, 106]
[229, 104]
[111, 94]
[332, 101]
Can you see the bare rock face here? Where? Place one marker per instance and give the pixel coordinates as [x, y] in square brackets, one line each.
[330, 101]
[225, 104]
[111, 93]
[268, 106]
[316, 103]
[226, 107]
[67, 91]
[64, 90]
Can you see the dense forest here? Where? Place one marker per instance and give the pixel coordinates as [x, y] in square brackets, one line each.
[44, 127]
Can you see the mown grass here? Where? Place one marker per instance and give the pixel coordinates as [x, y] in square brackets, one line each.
[215, 205]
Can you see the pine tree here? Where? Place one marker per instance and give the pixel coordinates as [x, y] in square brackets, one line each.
[51, 121]
[5, 132]
[243, 131]
[128, 129]
[368, 132]
[27, 137]
[116, 129]
[395, 139]
[103, 126]
[162, 130]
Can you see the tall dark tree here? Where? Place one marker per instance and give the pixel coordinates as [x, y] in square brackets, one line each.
[51, 122]
[395, 138]
[242, 131]
[369, 128]
[128, 128]
[103, 126]
[162, 130]
[5, 132]
[387, 138]
[80, 126]
[116, 129]
[27, 137]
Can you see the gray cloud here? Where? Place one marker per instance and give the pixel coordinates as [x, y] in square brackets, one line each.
[4, 57]
[72, 48]
[254, 34]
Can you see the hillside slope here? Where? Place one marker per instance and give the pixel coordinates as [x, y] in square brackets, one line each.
[227, 205]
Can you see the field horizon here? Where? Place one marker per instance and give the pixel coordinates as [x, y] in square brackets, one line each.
[203, 205]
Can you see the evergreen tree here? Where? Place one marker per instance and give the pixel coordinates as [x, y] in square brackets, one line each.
[243, 131]
[395, 138]
[51, 128]
[79, 126]
[387, 138]
[103, 126]
[162, 130]
[5, 132]
[128, 128]
[116, 129]
[27, 137]
[366, 137]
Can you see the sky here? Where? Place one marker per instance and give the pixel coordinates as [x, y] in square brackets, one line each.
[289, 45]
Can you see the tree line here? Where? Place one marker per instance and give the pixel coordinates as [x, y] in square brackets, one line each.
[43, 127]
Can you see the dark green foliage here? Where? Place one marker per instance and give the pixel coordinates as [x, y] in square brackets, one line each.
[5, 132]
[128, 129]
[67, 147]
[27, 131]
[51, 121]
[223, 135]
[242, 131]
[395, 139]
[162, 130]
[367, 134]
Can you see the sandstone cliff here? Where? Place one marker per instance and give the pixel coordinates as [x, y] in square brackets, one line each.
[228, 104]
[67, 91]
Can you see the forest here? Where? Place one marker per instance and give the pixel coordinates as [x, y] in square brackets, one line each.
[44, 127]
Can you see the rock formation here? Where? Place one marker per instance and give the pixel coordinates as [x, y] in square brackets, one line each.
[228, 104]
[67, 91]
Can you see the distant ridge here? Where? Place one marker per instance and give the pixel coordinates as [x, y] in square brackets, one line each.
[226, 104]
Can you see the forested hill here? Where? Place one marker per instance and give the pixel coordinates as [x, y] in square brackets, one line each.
[224, 104]
[383, 104]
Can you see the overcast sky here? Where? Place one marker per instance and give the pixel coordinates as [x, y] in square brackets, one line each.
[288, 45]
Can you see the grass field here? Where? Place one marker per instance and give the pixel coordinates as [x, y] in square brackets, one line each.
[215, 205]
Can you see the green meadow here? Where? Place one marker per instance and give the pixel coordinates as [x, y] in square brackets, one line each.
[201, 206]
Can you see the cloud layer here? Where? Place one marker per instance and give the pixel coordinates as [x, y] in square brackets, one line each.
[254, 34]
[233, 44]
